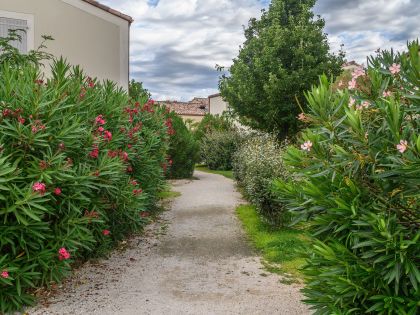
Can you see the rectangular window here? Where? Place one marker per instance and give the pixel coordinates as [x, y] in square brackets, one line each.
[24, 26]
[21, 27]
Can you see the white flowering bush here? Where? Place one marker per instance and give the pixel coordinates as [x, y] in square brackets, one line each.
[359, 161]
[256, 164]
[217, 149]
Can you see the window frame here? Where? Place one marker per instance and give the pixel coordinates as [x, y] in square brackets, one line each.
[29, 18]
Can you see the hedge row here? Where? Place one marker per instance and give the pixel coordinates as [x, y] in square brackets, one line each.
[358, 164]
[80, 167]
[257, 162]
[184, 149]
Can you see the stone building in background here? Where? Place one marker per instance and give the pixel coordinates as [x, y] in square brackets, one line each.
[193, 110]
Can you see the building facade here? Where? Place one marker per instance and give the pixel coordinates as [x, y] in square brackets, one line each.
[85, 32]
[217, 105]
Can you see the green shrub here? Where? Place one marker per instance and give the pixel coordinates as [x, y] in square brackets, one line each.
[360, 168]
[137, 91]
[211, 123]
[256, 164]
[80, 165]
[217, 149]
[184, 149]
[283, 53]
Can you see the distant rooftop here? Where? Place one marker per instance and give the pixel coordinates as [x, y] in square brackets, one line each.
[196, 107]
[215, 95]
[350, 65]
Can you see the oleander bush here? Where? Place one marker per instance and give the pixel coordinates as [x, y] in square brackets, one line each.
[211, 123]
[80, 167]
[184, 150]
[359, 164]
[218, 147]
[256, 164]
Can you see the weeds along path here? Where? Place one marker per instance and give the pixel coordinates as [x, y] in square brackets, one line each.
[195, 260]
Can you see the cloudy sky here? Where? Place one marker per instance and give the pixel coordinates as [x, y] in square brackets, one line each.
[175, 44]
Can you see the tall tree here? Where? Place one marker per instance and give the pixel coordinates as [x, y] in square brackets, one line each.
[137, 91]
[284, 53]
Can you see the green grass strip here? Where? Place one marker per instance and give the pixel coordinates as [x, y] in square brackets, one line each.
[283, 249]
[166, 194]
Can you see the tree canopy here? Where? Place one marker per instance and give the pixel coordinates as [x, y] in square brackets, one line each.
[284, 53]
[136, 90]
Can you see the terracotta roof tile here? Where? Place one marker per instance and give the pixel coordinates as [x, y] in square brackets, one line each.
[110, 10]
[195, 107]
[350, 63]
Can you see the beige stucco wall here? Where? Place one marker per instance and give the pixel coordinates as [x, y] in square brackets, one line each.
[84, 34]
[217, 105]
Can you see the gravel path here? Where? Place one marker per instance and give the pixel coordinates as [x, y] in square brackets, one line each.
[195, 260]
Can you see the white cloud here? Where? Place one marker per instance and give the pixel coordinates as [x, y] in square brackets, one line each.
[175, 44]
[194, 35]
[366, 25]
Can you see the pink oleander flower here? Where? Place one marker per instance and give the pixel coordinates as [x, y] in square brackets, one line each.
[4, 274]
[39, 187]
[386, 94]
[6, 112]
[69, 162]
[43, 165]
[21, 120]
[37, 126]
[94, 153]
[100, 120]
[359, 72]
[365, 104]
[63, 254]
[82, 93]
[351, 101]
[106, 232]
[306, 146]
[90, 82]
[395, 68]
[303, 117]
[352, 84]
[137, 192]
[124, 156]
[107, 135]
[112, 154]
[402, 146]
[57, 191]
[101, 129]
[91, 214]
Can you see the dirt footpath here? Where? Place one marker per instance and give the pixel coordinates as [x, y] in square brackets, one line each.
[195, 260]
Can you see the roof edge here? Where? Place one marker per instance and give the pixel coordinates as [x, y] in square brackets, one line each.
[215, 95]
[101, 6]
